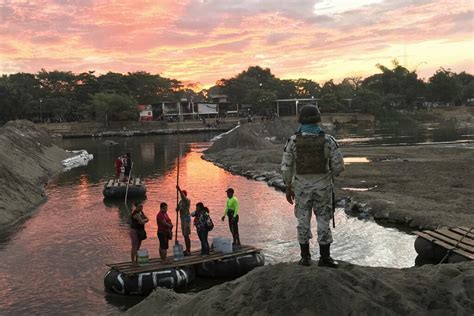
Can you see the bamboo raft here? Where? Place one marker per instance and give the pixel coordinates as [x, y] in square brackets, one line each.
[446, 244]
[155, 264]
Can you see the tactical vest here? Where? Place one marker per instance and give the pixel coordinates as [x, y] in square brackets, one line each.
[311, 154]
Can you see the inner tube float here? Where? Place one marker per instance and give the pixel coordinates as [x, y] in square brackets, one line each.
[431, 252]
[233, 267]
[145, 283]
[118, 192]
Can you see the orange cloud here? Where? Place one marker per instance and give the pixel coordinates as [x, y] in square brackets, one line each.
[204, 41]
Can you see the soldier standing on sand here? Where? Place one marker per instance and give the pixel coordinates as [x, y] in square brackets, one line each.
[310, 159]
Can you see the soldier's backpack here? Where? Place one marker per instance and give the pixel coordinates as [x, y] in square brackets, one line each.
[311, 154]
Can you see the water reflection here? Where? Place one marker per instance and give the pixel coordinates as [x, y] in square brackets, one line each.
[387, 133]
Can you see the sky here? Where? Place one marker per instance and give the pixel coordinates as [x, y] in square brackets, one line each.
[202, 41]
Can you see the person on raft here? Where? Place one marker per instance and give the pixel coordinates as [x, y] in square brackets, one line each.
[183, 210]
[232, 212]
[165, 230]
[138, 219]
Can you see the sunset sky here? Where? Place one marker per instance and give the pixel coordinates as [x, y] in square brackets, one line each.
[204, 41]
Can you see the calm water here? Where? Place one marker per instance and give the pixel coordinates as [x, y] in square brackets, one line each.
[54, 262]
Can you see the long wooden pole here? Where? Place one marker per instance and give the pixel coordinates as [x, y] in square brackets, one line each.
[128, 181]
[177, 184]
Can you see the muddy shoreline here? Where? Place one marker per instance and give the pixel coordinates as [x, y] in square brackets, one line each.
[420, 187]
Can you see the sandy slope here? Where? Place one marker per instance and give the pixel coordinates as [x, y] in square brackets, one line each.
[27, 160]
[287, 288]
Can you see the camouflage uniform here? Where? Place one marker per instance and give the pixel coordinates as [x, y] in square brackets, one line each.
[312, 191]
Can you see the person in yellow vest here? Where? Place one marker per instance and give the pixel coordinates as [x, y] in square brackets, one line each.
[232, 212]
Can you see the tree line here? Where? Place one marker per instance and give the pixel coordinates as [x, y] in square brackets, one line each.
[65, 96]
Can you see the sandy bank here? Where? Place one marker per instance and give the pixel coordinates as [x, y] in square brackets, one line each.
[27, 160]
[287, 288]
[422, 186]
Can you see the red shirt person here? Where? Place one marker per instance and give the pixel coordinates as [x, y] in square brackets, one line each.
[165, 229]
[118, 166]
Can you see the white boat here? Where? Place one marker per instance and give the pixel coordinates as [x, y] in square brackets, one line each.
[79, 158]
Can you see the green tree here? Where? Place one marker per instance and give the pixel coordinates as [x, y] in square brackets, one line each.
[263, 100]
[467, 91]
[59, 95]
[110, 106]
[147, 88]
[401, 86]
[86, 85]
[306, 88]
[367, 101]
[19, 95]
[240, 88]
[444, 86]
[286, 89]
[113, 82]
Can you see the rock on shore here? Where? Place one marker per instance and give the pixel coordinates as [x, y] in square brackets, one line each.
[27, 160]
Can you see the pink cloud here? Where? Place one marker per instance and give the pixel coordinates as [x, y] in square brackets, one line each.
[213, 39]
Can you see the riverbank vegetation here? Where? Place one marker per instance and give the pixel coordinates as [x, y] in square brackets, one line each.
[61, 96]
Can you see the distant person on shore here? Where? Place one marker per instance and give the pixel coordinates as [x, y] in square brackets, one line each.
[232, 212]
[203, 223]
[165, 230]
[310, 160]
[137, 230]
[128, 166]
[183, 210]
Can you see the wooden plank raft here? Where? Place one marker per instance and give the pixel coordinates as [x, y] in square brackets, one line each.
[117, 183]
[459, 240]
[155, 264]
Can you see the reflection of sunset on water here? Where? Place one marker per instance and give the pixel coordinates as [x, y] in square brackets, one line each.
[83, 191]
[203, 181]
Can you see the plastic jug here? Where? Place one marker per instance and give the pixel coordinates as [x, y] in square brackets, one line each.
[226, 245]
[142, 257]
[178, 252]
[217, 243]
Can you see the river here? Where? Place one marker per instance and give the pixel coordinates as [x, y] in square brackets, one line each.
[54, 261]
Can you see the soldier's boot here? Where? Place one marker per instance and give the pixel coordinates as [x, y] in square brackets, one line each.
[305, 255]
[325, 260]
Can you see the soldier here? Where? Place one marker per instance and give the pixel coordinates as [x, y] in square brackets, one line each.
[310, 159]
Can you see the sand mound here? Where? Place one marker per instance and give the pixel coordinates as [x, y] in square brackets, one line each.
[278, 129]
[286, 288]
[27, 159]
[243, 138]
